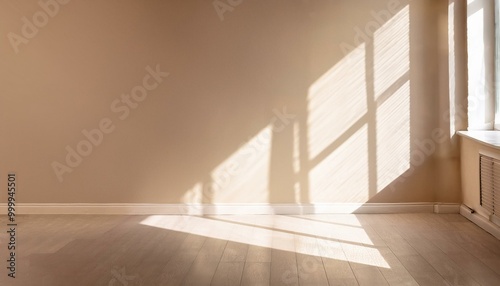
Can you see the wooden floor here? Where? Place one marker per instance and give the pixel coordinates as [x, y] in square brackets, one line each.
[398, 249]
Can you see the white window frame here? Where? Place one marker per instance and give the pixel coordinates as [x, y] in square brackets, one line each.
[497, 65]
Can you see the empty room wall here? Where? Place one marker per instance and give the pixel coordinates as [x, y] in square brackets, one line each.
[226, 102]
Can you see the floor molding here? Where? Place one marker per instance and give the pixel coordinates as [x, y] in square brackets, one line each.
[444, 208]
[212, 209]
[481, 221]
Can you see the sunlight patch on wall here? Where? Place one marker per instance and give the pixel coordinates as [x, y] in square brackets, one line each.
[296, 147]
[392, 94]
[343, 175]
[244, 176]
[296, 162]
[336, 101]
[193, 195]
[392, 51]
[393, 137]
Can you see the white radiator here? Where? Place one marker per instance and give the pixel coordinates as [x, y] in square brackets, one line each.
[489, 169]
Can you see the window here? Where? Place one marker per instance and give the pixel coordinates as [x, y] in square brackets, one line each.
[481, 44]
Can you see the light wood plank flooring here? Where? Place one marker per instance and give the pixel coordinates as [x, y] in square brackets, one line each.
[375, 249]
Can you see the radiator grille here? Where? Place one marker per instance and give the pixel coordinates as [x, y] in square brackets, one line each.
[490, 184]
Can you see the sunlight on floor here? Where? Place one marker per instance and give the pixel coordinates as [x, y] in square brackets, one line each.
[325, 239]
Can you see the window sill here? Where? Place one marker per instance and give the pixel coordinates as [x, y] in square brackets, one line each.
[490, 138]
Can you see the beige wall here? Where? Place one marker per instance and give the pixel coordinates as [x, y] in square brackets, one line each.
[367, 123]
[470, 167]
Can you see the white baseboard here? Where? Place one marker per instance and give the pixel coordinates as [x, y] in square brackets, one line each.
[212, 209]
[481, 221]
[444, 208]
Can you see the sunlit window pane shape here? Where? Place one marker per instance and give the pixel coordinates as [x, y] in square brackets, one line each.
[342, 176]
[336, 101]
[393, 137]
[391, 51]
